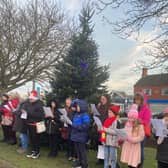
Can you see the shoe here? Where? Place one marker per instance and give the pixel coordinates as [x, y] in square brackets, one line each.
[76, 165]
[70, 159]
[35, 155]
[21, 150]
[30, 155]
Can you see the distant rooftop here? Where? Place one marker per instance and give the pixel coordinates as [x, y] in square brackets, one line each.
[153, 80]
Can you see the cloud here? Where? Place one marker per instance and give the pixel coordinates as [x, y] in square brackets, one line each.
[122, 75]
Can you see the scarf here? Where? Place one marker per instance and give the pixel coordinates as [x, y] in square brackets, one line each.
[107, 123]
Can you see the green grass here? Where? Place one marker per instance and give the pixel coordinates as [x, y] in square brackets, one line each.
[9, 155]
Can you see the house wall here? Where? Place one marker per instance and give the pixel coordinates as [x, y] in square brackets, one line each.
[156, 91]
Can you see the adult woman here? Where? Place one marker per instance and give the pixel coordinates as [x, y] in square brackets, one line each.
[102, 108]
[35, 114]
[7, 121]
[70, 147]
[144, 114]
[53, 125]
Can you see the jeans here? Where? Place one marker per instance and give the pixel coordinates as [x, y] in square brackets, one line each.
[24, 141]
[110, 156]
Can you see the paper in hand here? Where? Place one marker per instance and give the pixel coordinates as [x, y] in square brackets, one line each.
[64, 117]
[121, 133]
[48, 112]
[23, 115]
[94, 110]
[98, 122]
[62, 111]
[159, 127]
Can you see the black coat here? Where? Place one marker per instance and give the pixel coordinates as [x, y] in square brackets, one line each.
[162, 151]
[54, 124]
[35, 112]
[20, 125]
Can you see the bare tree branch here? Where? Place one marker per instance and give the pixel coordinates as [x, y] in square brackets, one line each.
[32, 40]
[138, 14]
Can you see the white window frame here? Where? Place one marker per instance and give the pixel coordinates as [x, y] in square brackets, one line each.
[163, 90]
[150, 92]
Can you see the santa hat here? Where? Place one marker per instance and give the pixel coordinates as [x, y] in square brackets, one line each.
[133, 113]
[33, 95]
[115, 109]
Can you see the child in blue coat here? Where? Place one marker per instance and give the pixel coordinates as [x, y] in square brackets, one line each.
[79, 133]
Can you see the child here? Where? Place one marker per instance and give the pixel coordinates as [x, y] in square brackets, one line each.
[79, 132]
[162, 140]
[20, 126]
[111, 140]
[131, 149]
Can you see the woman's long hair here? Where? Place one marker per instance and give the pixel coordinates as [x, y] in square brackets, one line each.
[135, 126]
[139, 96]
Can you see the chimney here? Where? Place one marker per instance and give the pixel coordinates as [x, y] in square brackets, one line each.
[144, 72]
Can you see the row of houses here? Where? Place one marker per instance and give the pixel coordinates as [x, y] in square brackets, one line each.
[155, 86]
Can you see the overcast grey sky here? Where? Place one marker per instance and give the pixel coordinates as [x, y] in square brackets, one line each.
[121, 54]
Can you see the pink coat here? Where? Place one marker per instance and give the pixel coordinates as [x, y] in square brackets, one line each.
[145, 114]
[131, 149]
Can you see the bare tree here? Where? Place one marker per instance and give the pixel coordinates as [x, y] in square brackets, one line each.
[33, 38]
[137, 14]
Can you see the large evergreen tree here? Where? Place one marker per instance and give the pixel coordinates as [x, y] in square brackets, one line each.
[79, 74]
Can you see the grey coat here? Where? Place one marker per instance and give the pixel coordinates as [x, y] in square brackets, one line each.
[111, 136]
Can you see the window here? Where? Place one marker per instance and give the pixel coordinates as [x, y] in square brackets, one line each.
[148, 92]
[165, 92]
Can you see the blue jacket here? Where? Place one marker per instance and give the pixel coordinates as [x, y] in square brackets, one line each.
[80, 124]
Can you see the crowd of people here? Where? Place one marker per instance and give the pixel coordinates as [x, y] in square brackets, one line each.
[28, 118]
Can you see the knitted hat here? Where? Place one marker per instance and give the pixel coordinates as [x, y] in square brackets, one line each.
[33, 95]
[133, 113]
[115, 109]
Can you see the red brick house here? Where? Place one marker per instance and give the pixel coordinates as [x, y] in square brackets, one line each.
[155, 86]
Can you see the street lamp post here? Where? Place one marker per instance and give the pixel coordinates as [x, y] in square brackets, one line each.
[34, 82]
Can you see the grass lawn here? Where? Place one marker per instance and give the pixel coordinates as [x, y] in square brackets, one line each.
[8, 154]
[9, 158]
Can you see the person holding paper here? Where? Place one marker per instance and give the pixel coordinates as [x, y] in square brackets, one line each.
[53, 126]
[35, 114]
[79, 133]
[102, 108]
[20, 126]
[7, 121]
[109, 137]
[131, 148]
[162, 144]
[71, 154]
